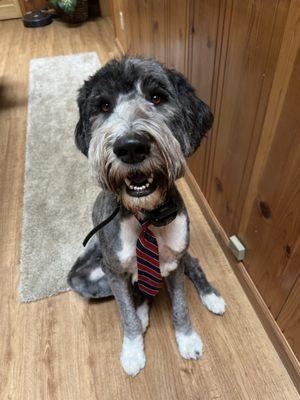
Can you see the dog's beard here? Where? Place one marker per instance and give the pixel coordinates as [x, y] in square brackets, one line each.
[140, 187]
[147, 203]
[165, 163]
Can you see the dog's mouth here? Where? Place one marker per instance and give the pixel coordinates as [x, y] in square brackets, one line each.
[139, 184]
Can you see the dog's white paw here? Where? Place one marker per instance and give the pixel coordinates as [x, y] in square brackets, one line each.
[96, 274]
[190, 345]
[132, 356]
[214, 303]
[143, 314]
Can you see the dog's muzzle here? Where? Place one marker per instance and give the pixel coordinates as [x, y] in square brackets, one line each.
[134, 149]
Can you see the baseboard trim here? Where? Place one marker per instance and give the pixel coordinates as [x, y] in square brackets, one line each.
[277, 338]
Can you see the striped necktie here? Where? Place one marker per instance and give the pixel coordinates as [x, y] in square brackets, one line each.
[149, 276]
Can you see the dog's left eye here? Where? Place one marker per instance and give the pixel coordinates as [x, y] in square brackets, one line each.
[156, 99]
[105, 107]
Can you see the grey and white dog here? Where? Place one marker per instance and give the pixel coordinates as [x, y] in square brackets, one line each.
[138, 123]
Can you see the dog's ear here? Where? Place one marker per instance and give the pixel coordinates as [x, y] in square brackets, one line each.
[81, 130]
[197, 116]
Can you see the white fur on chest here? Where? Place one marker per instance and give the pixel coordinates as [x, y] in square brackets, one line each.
[172, 239]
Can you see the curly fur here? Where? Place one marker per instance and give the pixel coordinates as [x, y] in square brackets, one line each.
[173, 129]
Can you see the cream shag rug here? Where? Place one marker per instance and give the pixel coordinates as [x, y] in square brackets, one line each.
[58, 191]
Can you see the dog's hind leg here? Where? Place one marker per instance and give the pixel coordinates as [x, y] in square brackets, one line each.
[209, 296]
[86, 276]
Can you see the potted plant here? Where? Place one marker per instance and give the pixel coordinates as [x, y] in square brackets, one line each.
[71, 10]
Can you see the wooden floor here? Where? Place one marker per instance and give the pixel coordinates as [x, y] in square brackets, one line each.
[65, 348]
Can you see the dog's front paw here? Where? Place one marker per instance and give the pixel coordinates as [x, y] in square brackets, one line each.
[190, 345]
[214, 303]
[132, 355]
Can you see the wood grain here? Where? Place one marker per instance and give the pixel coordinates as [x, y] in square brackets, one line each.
[272, 235]
[242, 93]
[289, 318]
[121, 32]
[277, 337]
[66, 348]
[270, 224]
[204, 46]
[238, 148]
[282, 76]
[154, 29]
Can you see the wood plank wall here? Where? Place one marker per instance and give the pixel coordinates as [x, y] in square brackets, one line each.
[272, 230]
[148, 26]
[243, 59]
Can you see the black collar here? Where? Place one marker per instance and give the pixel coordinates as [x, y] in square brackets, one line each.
[163, 214]
[160, 216]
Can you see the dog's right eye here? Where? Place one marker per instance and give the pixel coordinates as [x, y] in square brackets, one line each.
[105, 107]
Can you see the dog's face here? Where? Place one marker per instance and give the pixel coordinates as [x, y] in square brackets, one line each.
[138, 122]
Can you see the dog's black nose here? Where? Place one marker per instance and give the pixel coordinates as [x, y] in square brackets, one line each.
[132, 148]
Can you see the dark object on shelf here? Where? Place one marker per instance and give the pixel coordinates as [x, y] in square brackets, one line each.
[81, 13]
[36, 19]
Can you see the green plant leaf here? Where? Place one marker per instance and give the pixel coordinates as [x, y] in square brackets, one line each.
[68, 6]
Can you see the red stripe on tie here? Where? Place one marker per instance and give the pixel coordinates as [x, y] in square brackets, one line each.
[142, 267]
[145, 256]
[143, 278]
[148, 244]
[150, 284]
[147, 290]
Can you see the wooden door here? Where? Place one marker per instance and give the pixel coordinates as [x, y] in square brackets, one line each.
[9, 9]
[272, 231]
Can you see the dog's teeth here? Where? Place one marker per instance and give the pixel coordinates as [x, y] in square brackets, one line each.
[131, 187]
[135, 188]
[143, 187]
[150, 180]
[147, 184]
[127, 181]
